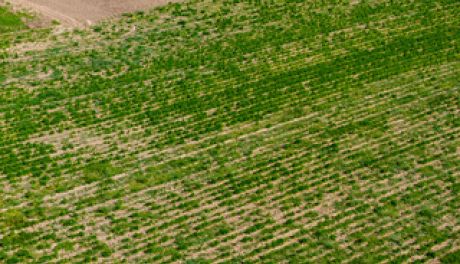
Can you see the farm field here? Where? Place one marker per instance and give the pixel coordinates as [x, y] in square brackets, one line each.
[235, 132]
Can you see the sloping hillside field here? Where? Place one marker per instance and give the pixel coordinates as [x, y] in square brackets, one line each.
[235, 132]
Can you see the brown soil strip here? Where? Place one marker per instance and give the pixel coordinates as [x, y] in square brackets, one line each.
[86, 12]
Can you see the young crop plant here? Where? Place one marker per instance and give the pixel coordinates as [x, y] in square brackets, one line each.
[10, 21]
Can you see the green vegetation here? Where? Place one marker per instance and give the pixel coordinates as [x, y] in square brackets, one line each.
[10, 21]
[237, 132]
[14, 30]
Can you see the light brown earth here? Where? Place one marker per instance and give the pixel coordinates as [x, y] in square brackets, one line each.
[78, 13]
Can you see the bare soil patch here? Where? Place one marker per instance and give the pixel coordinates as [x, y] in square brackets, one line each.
[86, 12]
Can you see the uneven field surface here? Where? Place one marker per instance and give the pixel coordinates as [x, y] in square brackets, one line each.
[86, 12]
[235, 132]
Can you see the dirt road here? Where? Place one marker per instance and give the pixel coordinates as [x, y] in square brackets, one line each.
[77, 13]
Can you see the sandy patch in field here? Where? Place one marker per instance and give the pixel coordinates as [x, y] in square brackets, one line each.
[78, 13]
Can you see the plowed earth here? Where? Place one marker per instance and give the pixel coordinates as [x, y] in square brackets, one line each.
[86, 12]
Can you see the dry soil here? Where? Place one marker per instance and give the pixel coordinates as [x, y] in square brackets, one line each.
[79, 13]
